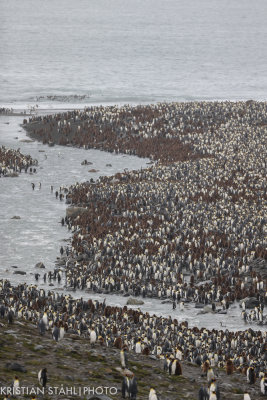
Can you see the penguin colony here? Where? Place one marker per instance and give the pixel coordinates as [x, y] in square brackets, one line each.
[200, 210]
[12, 161]
[132, 330]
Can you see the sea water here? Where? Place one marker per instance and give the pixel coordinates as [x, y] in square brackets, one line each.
[132, 51]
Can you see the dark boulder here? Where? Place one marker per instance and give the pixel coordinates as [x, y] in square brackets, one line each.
[16, 367]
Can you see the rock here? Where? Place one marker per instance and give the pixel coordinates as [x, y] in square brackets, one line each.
[85, 162]
[69, 378]
[38, 347]
[11, 175]
[16, 217]
[10, 332]
[16, 367]
[251, 302]
[73, 212]
[108, 165]
[207, 309]
[14, 266]
[19, 273]
[99, 397]
[39, 265]
[134, 302]
[167, 302]
[51, 144]
[226, 386]
[199, 305]
[93, 170]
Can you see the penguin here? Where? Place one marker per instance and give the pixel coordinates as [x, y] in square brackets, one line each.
[263, 385]
[153, 395]
[203, 394]
[2, 311]
[210, 375]
[55, 333]
[92, 337]
[16, 385]
[41, 327]
[123, 358]
[42, 377]
[214, 388]
[61, 332]
[138, 347]
[176, 368]
[10, 317]
[129, 386]
[251, 377]
[213, 396]
[229, 367]
[133, 387]
[45, 319]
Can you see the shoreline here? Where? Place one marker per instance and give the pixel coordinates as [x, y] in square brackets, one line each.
[121, 212]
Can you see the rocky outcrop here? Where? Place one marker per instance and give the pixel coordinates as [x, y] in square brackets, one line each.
[16, 367]
[11, 175]
[73, 212]
[251, 302]
[134, 302]
[39, 265]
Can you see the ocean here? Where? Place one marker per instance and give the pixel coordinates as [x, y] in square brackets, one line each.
[61, 53]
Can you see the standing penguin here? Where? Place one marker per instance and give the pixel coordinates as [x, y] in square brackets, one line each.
[214, 387]
[55, 333]
[41, 327]
[42, 377]
[229, 367]
[153, 395]
[10, 317]
[61, 332]
[210, 375]
[45, 319]
[176, 368]
[16, 385]
[92, 337]
[138, 347]
[264, 385]
[213, 396]
[123, 358]
[133, 387]
[203, 394]
[129, 386]
[251, 377]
